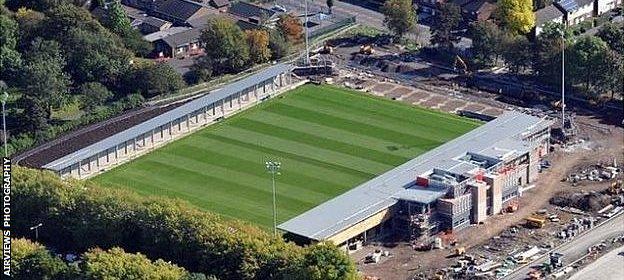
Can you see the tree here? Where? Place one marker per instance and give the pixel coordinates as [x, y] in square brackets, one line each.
[31, 260]
[85, 215]
[443, 25]
[93, 53]
[201, 70]
[10, 58]
[225, 44]
[613, 34]
[93, 94]
[517, 53]
[42, 75]
[116, 264]
[278, 45]
[35, 115]
[116, 19]
[611, 73]
[118, 23]
[258, 41]
[133, 40]
[399, 16]
[330, 4]
[586, 57]
[547, 54]
[291, 27]
[154, 80]
[517, 15]
[325, 262]
[29, 25]
[487, 41]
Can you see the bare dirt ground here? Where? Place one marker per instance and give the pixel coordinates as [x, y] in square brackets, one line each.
[603, 142]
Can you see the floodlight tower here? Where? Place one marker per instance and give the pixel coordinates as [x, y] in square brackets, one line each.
[305, 25]
[563, 79]
[273, 167]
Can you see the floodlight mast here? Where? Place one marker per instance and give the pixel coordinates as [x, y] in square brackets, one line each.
[563, 79]
[273, 167]
[36, 228]
[305, 25]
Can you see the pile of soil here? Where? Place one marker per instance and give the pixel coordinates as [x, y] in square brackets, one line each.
[591, 202]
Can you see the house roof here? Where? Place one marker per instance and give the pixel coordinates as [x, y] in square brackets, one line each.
[383, 191]
[567, 5]
[200, 22]
[178, 9]
[155, 22]
[248, 10]
[152, 37]
[219, 3]
[183, 38]
[547, 14]
[481, 7]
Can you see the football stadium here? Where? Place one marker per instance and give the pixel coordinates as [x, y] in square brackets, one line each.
[353, 166]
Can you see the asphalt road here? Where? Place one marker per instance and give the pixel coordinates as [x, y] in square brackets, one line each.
[576, 248]
[607, 267]
[364, 16]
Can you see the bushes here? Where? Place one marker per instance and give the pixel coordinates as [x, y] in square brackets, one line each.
[83, 215]
[33, 261]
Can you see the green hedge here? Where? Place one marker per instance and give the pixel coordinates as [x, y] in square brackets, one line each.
[80, 215]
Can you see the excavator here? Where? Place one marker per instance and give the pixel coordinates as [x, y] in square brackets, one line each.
[462, 65]
[367, 49]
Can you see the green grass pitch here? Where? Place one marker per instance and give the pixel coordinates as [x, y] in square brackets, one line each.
[328, 139]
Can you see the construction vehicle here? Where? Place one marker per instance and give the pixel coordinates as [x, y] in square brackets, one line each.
[327, 49]
[511, 207]
[460, 251]
[535, 221]
[367, 49]
[459, 63]
[556, 260]
[614, 189]
[535, 274]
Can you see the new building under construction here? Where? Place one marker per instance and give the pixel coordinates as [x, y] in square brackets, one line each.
[461, 182]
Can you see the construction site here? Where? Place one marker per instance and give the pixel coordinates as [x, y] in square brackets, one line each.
[547, 226]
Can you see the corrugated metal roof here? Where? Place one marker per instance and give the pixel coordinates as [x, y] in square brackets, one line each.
[420, 194]
[341, 212]
[167, 117]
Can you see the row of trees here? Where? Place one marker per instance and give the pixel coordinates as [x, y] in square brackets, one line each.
[596, 63]
[230, 50]
[32, 260]
[78, 216]
[516, 16]
[54, 55]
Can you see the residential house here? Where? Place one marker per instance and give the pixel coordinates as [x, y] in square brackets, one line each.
[252, 15]
[153, 24]
[430, 7]
[180, 12]
[603, 6]
[575, 11]
[479, 10]
[545, 15]
[220, 5]
[176, 41]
